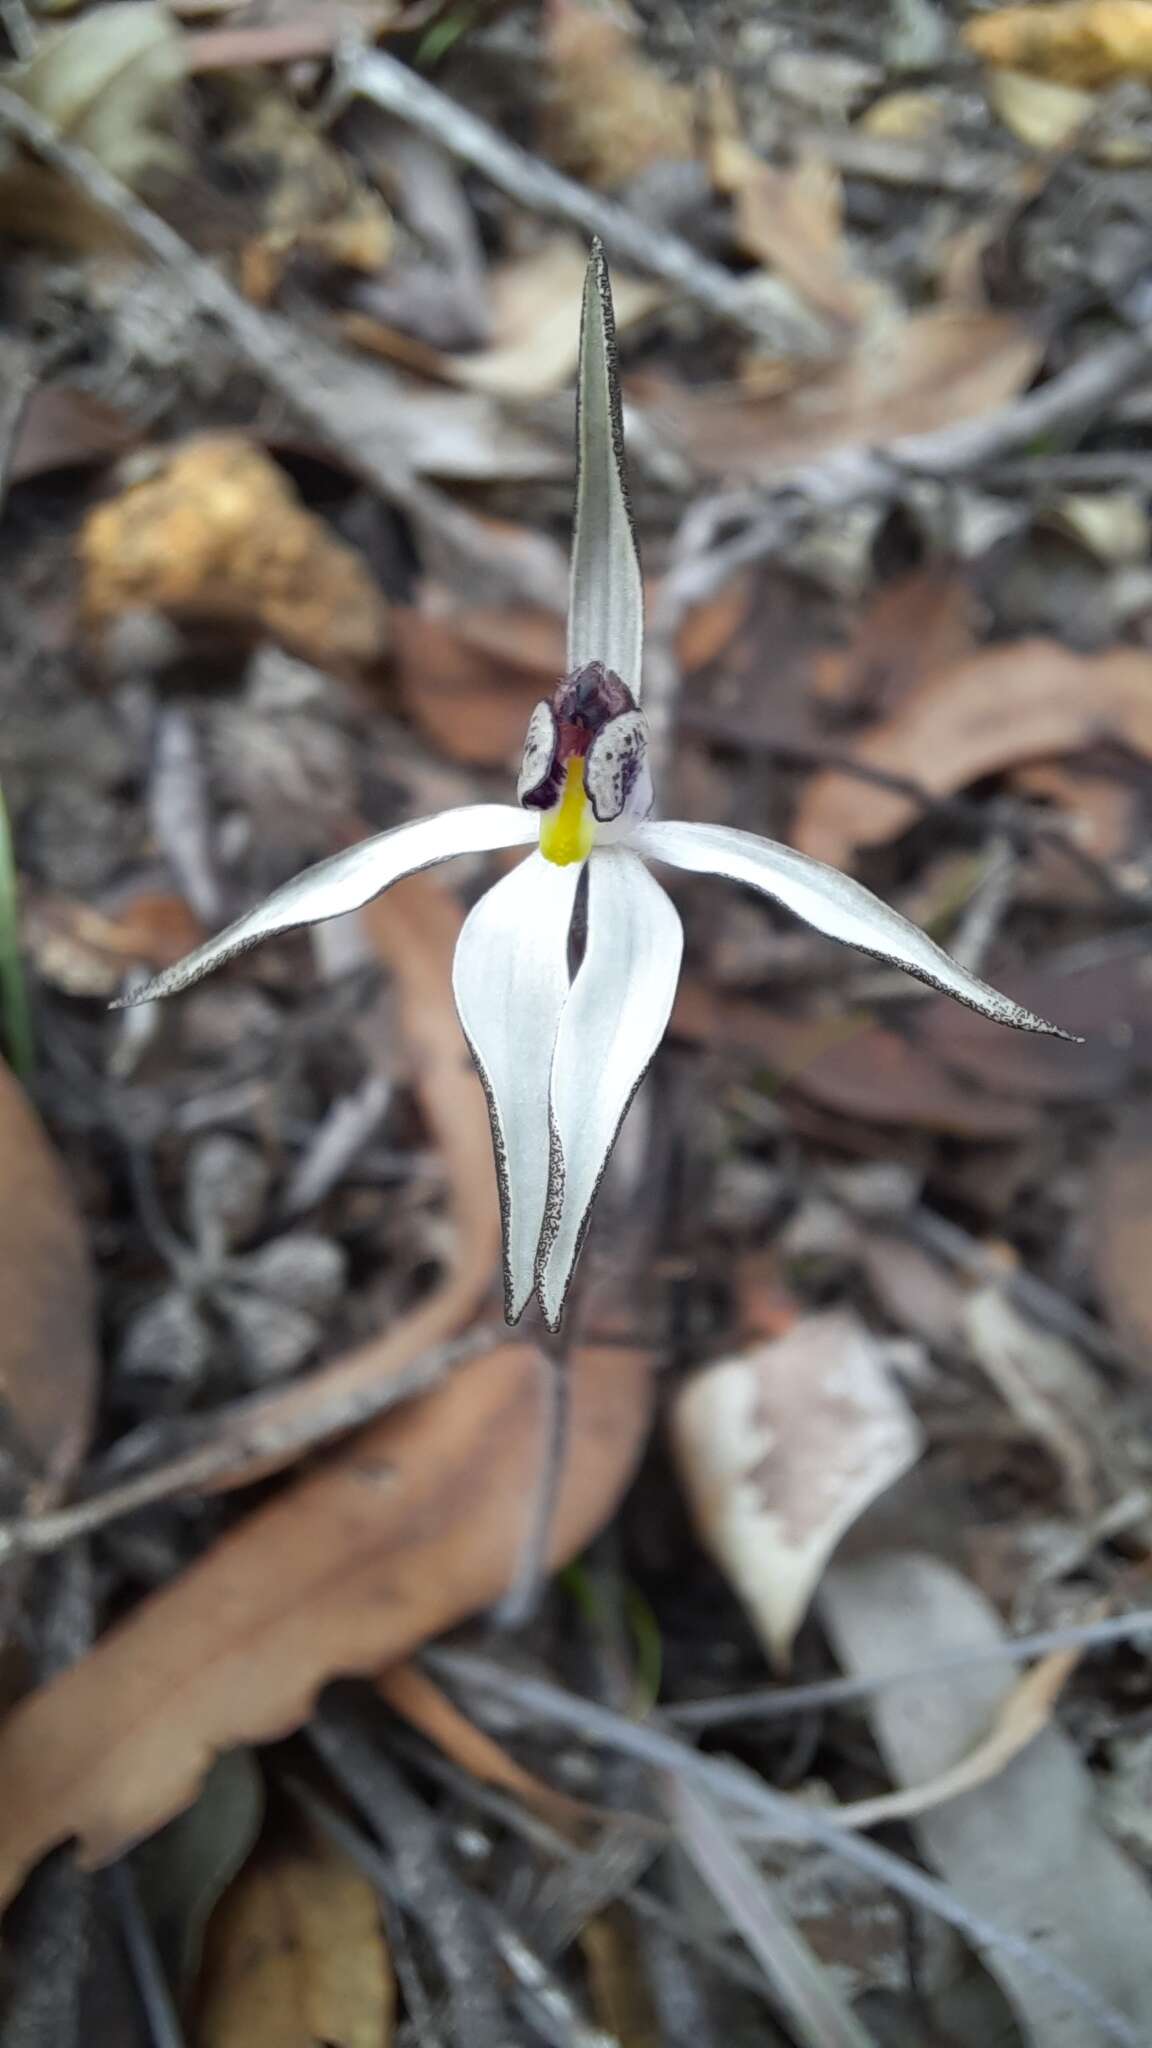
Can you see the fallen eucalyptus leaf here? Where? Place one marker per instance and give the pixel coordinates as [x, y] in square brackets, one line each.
[780, 1449]
[1025, 1850]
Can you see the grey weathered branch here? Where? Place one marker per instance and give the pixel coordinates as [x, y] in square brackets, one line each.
[773, 314]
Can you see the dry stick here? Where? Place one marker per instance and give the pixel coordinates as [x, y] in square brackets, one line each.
[793, 1821]
[777, 318]
[246, 1433]
[309, 377]
[774, 1702]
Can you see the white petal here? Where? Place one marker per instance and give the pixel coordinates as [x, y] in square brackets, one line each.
[612, 1024]
[606, 604]
[347, 881]
[831, 903]
[510, 978]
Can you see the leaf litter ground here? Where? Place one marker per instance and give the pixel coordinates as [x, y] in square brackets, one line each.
[283, 543]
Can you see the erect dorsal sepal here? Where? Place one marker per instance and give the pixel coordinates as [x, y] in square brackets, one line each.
[615, 764]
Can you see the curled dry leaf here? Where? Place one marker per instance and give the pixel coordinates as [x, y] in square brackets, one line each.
[1078, 42]
[296, 1954]
[214, 531]
[1026, 1850]
[410, 1692]
[1021, 1716]
[1007, 704]
[1049, 1387]
[780, 1450]
[905, 377]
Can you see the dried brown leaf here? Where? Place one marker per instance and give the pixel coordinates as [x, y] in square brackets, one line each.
[417, 1522]
[302, 34]
[1048, 1385]
[852, 1066]
[906, 632]
[47, 1333]
[1104, 1001]
[296, 1954]
[905, 377]
[214, 531]
[1079, 42]
[535, 306]
[469, 677]
[1007, 704]
[1121, 1210]
[780, 1449]
[791, 220]
[85, 952]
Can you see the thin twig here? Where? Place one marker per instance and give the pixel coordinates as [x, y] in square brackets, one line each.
[779, 319]
[776, 1702]
[246, 1433]
[819, 2015]
[792, 1820]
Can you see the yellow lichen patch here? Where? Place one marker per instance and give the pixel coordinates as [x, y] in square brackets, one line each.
[566, 833]
[213, 531]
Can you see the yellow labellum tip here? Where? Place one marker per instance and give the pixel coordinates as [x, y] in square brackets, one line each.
[566, 832]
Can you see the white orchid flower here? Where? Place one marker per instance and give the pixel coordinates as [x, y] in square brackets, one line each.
[562, 1053]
